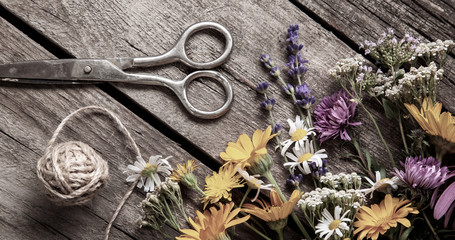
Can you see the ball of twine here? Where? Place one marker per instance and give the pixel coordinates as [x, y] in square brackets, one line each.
[72, 173]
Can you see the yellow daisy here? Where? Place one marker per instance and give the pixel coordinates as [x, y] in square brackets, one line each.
[184, 174]
[219, 185]
[432, 121]
[212, 224]
[276, 210]
[245, 151]
[379, 218]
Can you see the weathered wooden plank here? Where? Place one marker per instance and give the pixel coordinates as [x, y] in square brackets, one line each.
[134, 28]
[28, 117]
[359, 20]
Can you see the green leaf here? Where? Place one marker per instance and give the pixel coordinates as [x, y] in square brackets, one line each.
[360, 164]
[382, 170]
[349, 155]
[390, 109]
[368, 157]
[405, 234]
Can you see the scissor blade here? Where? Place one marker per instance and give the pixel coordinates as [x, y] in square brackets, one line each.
[44, 69]
[61, 70]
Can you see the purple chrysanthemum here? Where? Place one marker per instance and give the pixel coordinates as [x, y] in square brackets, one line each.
[422, 173]
[334, 116]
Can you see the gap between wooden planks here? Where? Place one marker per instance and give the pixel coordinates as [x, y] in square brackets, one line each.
[28, 117]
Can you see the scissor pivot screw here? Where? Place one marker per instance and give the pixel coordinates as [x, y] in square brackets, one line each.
[87, 69]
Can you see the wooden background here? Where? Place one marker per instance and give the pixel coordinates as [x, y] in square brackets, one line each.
[39, 29]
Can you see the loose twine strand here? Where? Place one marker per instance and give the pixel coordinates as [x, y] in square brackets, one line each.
[72, 172]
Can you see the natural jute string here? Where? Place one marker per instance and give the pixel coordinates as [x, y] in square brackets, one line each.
[72, 172]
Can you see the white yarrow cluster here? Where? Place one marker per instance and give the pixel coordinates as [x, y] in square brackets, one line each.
[312, 203]
[346, 66]
[342, 181]
[433, 49]
[412, 82]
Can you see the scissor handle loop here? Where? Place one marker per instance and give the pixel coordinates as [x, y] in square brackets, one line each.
[206, 114]
[179, 48]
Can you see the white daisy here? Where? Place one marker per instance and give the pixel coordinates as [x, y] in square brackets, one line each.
[381, 184]
[303, 156]
[329, 224]
[148, 172]
[253, 182]
[298, 131]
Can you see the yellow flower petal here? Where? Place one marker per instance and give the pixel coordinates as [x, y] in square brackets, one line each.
[377, 219]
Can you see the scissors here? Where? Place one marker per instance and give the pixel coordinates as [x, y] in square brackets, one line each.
[74, 71]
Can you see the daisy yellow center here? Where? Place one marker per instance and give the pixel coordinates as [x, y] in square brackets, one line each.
[384, 180]
[305, 157]
[334, 224]
[298, 134]
[149, 169]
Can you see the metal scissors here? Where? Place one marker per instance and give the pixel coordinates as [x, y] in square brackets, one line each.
[75, 71]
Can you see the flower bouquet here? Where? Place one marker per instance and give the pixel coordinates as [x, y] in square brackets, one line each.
[409, 195]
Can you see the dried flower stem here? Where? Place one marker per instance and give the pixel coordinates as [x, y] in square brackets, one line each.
[358, 99]
[372, 176]
[430, 226]
[244, 197]
[199, 190]
[403, 138]
[257, 231]
[380, 134]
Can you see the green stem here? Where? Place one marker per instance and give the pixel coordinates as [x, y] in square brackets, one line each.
[244, 197]
[402, 134]
[280, 234]
[379, 133]
[256, 231]
[199, 190]
[277, 138]
[293, 97]
[359, 152]
[310, 124]
[430, 226]
[357, 98]
[173, 222]
[297, 66]
[271, 179]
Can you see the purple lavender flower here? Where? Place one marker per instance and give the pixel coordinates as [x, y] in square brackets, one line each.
[302, 94]
[277, 128]
[288, 89]
[319, 171]
[422, 173]
[275, 71]
[262, 87]
[268, 104]
[293, 47]
[267, 60]
[334, 116]
[294, 179]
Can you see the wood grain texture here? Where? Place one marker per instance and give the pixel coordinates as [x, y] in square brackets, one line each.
[360, 20]
[29, 116]
[134, 28]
